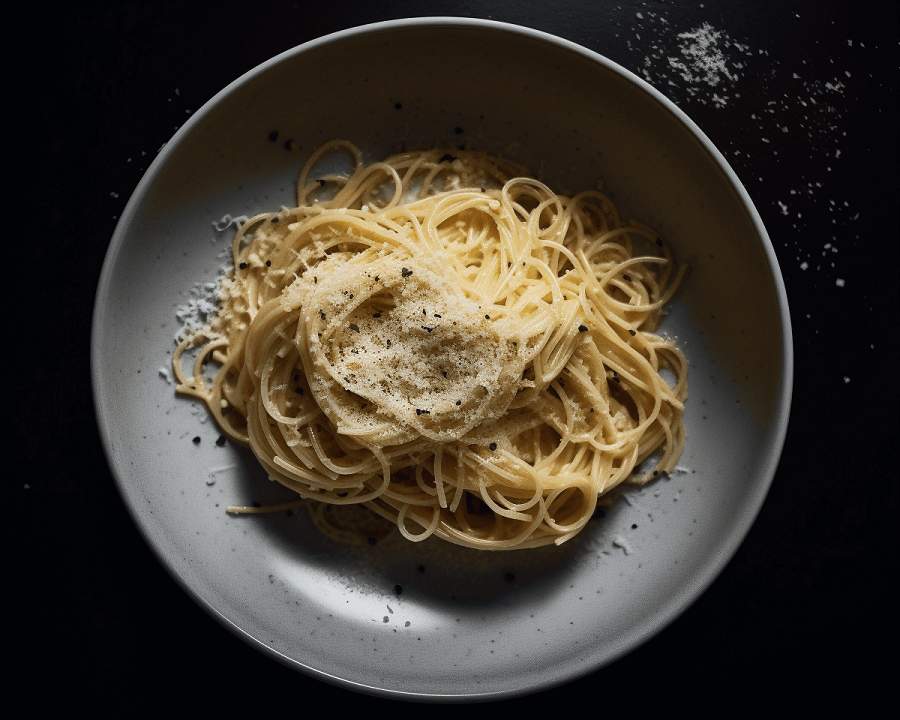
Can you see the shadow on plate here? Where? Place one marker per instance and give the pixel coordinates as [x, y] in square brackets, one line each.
[433, 571]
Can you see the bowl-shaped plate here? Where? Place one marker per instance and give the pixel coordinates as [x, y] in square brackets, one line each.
[466, 624]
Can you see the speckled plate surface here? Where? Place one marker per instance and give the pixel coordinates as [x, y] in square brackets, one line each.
[429, 620]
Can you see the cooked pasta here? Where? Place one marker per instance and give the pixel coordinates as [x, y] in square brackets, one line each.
[442, 339]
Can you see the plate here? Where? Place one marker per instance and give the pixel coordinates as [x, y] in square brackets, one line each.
[430, 620]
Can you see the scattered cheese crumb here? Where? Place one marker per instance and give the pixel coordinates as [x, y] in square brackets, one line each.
[215, 472]
[619, 541]
[227, 220]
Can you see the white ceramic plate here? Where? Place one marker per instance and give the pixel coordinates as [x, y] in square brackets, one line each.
[430, 620]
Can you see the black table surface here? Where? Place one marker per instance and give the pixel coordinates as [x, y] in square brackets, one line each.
[802, 107]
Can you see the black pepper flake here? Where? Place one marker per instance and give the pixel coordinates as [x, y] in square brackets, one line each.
[290, 145]
[582, 328]
[388, 343]
[459, 402]
[322, 314]
[493, 446]
[659, 242]
[299, 390]
[398, 106]
[296, 378]
[436, 315]
[268, 263]
[444, 373]
[197, 440]
[632, 333]
[405, 272]
[419, 411]
[458, 130]
[220, 441]
[634, 526]
[243, 266]
[447, 157]
[616, 379]
[273, 136]
[426, 329]
[626, 278]
[656, 472]
[377, 315]
[487, 317]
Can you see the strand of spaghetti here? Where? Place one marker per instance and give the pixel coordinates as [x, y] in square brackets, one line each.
[439, 477]
[303, 187]
[429, 528]
[279, 507]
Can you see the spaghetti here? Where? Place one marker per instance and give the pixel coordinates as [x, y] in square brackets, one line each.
[444, 340]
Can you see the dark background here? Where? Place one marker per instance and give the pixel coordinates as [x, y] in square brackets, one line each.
[807, 121]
